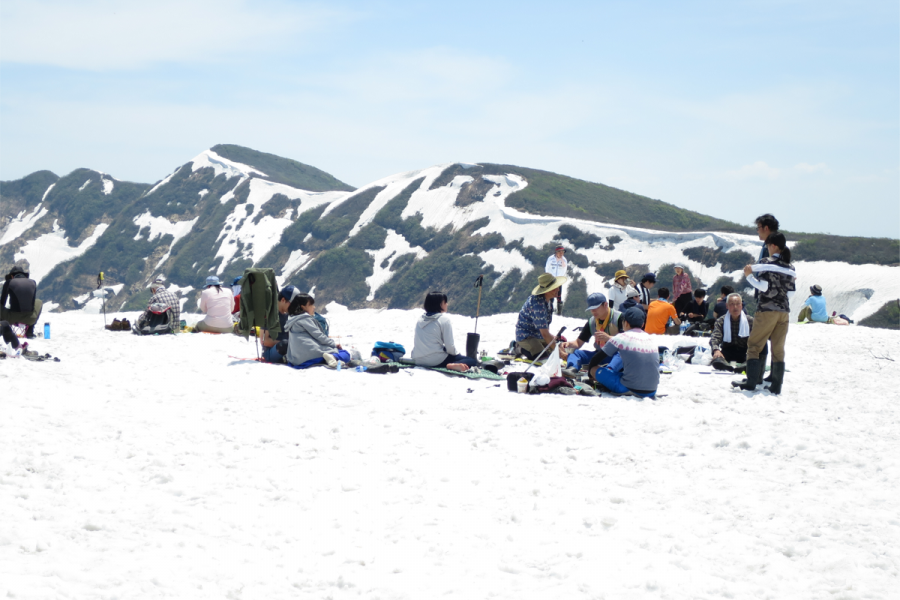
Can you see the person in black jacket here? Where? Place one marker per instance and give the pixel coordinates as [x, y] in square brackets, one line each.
[24, 305]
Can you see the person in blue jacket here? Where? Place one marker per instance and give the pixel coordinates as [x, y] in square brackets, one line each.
[814, 307]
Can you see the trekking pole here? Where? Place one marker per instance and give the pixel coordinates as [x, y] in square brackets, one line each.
[99, 284]
[547, 347]
[479, 283]
[473, 339]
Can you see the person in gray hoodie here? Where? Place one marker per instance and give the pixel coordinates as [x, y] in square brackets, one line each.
[307, 343]
[433, 345]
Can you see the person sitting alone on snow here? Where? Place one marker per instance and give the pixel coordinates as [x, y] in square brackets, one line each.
[728, 342]
[634, 359]
[603, 324]
[217, 304]
[161, 297]
[814, 308]
[308, 345]
[24, 305]
[433, 345]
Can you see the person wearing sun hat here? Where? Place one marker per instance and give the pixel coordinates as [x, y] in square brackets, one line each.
[533, 325]
[618, 293]
[217, 304]
[814, 308]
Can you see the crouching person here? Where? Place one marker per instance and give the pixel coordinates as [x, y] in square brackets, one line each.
[433, 345]
[730, 335]
[603, 324]
[307, 343]
[24, 305]
[634, 364]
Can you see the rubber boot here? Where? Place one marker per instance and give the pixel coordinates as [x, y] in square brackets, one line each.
[29, 332]
[753, 369]
[777, 377]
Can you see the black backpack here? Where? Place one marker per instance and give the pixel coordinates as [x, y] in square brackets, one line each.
[157, 320]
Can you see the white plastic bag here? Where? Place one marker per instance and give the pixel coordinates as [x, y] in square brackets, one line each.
[550, 368]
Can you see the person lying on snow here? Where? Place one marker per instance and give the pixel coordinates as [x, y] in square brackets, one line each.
[603, 324]
[634, 359]
[308, 345]
[533, 326]
[24, 305]
[728, 342]
[433, 345]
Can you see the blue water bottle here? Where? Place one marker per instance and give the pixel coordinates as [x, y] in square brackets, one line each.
[46, 331]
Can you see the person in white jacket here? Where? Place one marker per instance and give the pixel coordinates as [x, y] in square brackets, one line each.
[557, 266]
[217, 303]
[618, 293]
[433, 345]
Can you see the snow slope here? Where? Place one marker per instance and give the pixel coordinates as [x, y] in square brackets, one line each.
[161, 467]
[50, 249]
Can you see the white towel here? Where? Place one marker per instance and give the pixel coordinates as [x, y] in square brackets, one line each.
[743, 328]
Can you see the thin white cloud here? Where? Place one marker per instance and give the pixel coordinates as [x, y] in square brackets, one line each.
[758, 170]
[117, 34]
[809, 169]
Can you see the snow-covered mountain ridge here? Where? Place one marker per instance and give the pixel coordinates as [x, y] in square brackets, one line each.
[382, 245]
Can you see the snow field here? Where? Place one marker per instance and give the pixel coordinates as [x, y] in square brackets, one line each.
[161, 467]
[47, 251]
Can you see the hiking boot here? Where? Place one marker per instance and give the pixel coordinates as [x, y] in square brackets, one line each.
[777, 378]
[330, 361]
[570, 373]
[749, 384]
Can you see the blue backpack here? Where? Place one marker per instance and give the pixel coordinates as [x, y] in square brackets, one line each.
[388, 351]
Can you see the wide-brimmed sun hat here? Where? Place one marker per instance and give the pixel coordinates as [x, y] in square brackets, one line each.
[816, 290]
[547, 282]
[620, 274]
[212, 280]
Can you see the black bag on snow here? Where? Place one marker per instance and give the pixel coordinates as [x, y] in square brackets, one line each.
[157, 320]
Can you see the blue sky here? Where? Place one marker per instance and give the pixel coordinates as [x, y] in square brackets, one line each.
[727, 108]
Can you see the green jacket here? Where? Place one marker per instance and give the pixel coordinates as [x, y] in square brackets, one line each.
[259, 301]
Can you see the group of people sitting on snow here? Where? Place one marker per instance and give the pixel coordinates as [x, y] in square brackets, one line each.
[624, 356]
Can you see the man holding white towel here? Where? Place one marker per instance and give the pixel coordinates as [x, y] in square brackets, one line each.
[731, 332]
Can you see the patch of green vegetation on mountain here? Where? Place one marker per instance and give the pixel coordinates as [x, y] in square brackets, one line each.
[886, 317]
[277, 207]
[370, 237]
[80, 209]
[292, 237]
[710, 257]
[338, 274]
[554, 195]
[283, 170]
[575, 300]
[333, 228]
[179, 197]
[578, 238]
[608, 270]
[22, 194]
[853, 250]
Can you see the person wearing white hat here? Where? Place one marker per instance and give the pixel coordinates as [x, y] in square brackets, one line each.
[216, 303]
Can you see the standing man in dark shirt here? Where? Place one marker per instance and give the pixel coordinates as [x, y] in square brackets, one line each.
[765, 225]
[24, 305]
